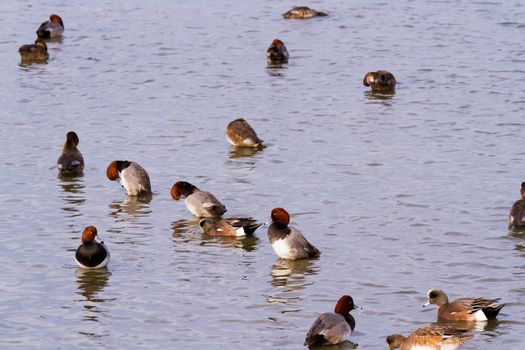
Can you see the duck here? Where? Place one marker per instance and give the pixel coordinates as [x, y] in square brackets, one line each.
[240, 134]
[232, 227]
[34, 52]
[332, 328]
[287, 241]
[303, 12]
[430, 337]
[71, 161]
[131, 175]
[52, 28]
[464, 309]
[92, 253]
[517, 212]
[200, 203]
[277, 53]
[380, 81]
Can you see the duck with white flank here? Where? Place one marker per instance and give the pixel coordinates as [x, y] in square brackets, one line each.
[200, 203]
[131, 176]
[287, 241]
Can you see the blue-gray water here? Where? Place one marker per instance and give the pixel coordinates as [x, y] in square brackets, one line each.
[400, 194]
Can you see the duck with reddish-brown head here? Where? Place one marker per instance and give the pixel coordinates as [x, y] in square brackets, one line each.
[333, 328]
[277, 54]
[52, 28]
[131, 176]
[287, 241]
[92, 253]
[202, 204]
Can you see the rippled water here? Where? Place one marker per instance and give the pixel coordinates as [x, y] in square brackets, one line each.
[400, 193]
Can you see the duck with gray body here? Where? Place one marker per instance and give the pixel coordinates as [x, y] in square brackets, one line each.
[332, 327]
[287, 241]
[202, 204]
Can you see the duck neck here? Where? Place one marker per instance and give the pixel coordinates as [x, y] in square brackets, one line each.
[350, 320]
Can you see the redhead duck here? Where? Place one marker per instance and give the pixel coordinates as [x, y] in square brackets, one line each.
[239, 133]
[71, 161]
[287, 241]
[200, 203]
[233, 227]
[333, 327]
[52, 28]
[34, 52]
[92, 253]
[431, 338]
[380, 81]
[303, 12]
[517, 212]
[277, 53]
[131, 176]
[464, 309]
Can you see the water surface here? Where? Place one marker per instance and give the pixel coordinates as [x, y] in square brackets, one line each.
[401, 193]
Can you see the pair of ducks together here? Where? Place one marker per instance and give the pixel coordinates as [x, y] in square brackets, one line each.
[379, 81]
[334, 328]
[50, 29]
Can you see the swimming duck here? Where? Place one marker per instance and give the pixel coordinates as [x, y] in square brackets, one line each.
[517, 212]
[92, 253]
[431, 338]
[34, 52]
[287, 241]
[131, 176]
[71, 161]
[232, 227]
[333, 327]
[239, 133]
[303, 12]
[380, 81]
[52, 28]
[277, 53]
[464, 309]
[200, 203]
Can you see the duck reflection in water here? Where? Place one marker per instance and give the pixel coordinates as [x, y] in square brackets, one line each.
[90, 284]
[291, 273]
[73, 195]
[379, 96]
[137, 206]
[243, 152]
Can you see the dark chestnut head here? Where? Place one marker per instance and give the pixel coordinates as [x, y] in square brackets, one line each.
[280, 216]
[277, 43]
[89, 234]
[56, 19]
[182, 189]
[344, 305]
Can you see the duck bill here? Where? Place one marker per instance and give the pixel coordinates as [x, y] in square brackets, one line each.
[426, 304]
[97, 239]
